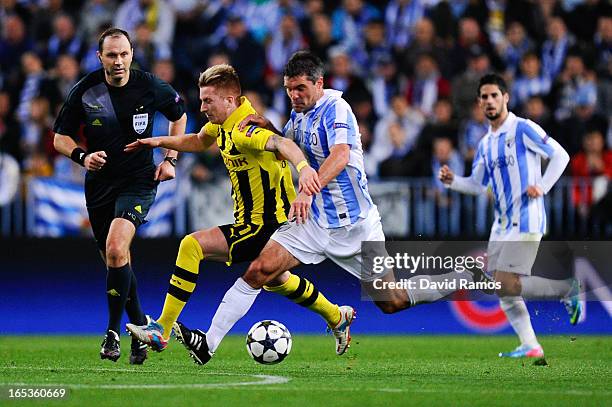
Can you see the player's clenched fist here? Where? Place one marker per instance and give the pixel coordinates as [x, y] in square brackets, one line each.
[446, 175]
[95, 161]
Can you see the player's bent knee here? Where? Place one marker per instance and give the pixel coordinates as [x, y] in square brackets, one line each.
[190, 253]
[258, 274]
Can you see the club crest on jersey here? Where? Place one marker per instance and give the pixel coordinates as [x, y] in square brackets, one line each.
[140, 122]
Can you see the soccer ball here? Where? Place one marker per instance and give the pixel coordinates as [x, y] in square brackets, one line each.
[268, 342]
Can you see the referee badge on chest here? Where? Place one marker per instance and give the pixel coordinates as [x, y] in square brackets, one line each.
[140, 122]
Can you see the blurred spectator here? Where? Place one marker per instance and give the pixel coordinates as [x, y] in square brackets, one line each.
[444, 153]
[260, 107]
[158, 15]
[13, 44]
[146, 52]
[470, 134]
[266, 16]
[427, 85]
[535, 110]
[321, 39]
[341, 77]
[349, 21]
[400, 18]
[603, 45]
[374, 49]
[94, 14]
[396, 133]
[9, 8]
[440, 124]
[464, 86]
[64, 40]
[471, 40]
[573, 79]
[515, 45]
[555, 47]
[384, 84]
[580, 19]
[36, 82]
[43, 15]
[246, 54]
[424, 41]
[37, 138]
[592, 172]
[10, 132]
[286, 40]
[186, 86]
[67, 74]
[582, 118]
[530, 82]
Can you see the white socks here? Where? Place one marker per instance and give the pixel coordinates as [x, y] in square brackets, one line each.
[544, 288]
[235, 304]
[517, 314]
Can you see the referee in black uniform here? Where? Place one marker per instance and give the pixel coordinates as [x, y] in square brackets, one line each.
[116, 105]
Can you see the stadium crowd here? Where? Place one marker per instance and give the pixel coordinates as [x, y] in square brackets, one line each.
[409, 69]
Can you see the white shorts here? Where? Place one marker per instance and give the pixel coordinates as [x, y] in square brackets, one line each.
[311, 243]
[512, 251]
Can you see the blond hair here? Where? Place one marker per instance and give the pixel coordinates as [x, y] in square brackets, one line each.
[222, 77]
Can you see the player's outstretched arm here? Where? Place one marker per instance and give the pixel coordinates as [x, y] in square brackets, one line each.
[309, 179]
[189, 143]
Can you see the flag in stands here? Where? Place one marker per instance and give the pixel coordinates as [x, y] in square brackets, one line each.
[57, 208]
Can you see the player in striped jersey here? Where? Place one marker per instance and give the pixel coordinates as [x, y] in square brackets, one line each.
[508, 159]
[262, 191]
[333, 223]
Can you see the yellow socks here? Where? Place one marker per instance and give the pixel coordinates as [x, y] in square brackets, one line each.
[303, 292]
[182, 282]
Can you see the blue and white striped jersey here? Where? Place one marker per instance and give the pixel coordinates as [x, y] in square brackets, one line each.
[509, 160]
[331, 121]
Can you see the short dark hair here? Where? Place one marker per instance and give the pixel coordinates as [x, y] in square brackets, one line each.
[113, 32]
[304, 63]
[493, 79]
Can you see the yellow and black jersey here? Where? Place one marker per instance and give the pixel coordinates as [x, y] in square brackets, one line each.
[262, 188]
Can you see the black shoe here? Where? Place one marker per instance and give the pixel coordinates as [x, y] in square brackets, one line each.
[483, 279]
[194, 341]
[138, 352]
[110, 346]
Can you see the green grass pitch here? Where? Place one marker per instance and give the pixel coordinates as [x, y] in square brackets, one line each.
[377, 371]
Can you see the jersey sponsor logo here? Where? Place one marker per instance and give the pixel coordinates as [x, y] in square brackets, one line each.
[96, 122]
[140, 122]
[235, 162]
[306, 138]
[502, 162]
[341, 126]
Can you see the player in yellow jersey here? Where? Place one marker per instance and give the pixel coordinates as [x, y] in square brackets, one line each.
[262, 191]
